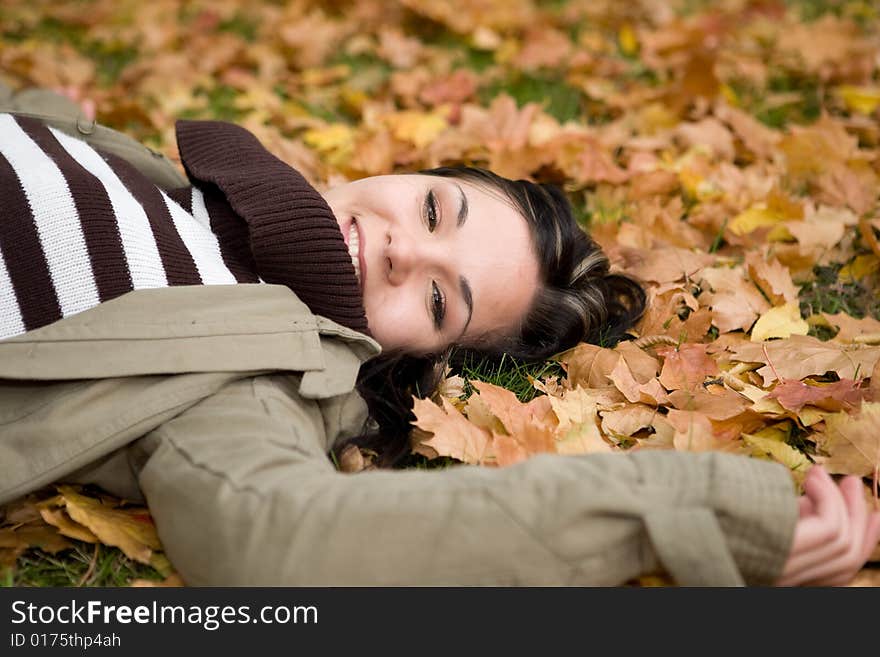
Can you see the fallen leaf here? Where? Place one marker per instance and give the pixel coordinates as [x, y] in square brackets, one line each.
[578, 430]
[686, 367]
[173, 580]
[130, 529]
[801, 356]
[852, 442]
[779, 322]
[773, 278]
[794, 395]
[452, 434]
[864, 99]
[627, 421]
[778, 451]
[850, 328]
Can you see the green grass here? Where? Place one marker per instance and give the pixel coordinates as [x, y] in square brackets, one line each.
[508, 373]
[825, 293]
[72, 568]
[802, 110]
[240, 25]
[553, 93]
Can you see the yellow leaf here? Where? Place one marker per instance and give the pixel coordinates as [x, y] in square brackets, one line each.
[810, 415]
[780, 432]
[59, 518]
[419, 128]
[753, 218]
[860, 267]
[629, 42]
[336, 141]
[778, 451]
[780, 322]
[859, 99]
[131, 530]
[730, 95]
[699, 187]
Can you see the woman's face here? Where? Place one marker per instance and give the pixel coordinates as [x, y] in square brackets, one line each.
[440, 260]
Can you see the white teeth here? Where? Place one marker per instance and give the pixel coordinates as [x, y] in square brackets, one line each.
[354, 248]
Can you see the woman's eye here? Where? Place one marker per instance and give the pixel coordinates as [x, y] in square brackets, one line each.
[438, 304]
[431, 211]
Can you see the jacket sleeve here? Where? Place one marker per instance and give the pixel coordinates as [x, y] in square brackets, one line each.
[243, 493]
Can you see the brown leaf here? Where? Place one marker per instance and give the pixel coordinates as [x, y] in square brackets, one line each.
[708, 133]
[666, 265]
[456, 87]
[735, 302]
[866, 577]
[850, 328]
[794, 395]
[356, 459]
[173, 580]
[130, 529]
[693, 432]
[578, 429]
[590, 366]
[720, 404]
[801, 356]
[44, 537]
[686, 367]
[649, 392]
[772, 278]
[663, 317]
[755, 136]
[452, 435]
[629, 420]
[852, 441]
[529, 424]
[543, 47]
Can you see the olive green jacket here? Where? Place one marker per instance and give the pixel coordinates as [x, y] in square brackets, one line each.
[218, 406]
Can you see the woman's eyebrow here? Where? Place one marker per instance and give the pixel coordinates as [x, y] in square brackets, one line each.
[468, 300]
[462, 208]
[466, 292]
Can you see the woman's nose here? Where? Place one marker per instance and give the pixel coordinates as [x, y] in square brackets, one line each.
[407, 255]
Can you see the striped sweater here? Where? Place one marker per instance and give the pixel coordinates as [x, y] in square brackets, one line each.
[79, 227]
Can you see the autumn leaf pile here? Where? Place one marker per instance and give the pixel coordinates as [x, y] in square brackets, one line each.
[724, 153]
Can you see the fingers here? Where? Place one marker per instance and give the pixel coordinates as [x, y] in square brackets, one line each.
[818, 537]
[830, 511]
[805, 507]
[835, 540]
[841, 567]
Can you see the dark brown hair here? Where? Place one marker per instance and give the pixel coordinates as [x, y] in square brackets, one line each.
[578, 300]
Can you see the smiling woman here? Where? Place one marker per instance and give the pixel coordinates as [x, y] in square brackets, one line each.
[442, 261]
[204, 343]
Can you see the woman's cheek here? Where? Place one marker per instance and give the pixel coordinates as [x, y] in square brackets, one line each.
[393, 322]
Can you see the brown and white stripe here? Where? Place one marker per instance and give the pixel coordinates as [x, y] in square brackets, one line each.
[79, 228]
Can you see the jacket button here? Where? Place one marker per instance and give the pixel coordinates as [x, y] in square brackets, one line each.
[84, 126]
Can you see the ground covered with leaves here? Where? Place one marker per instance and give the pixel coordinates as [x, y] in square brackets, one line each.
[725, 153]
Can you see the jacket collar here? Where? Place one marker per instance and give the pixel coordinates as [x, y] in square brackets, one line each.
[175, 330]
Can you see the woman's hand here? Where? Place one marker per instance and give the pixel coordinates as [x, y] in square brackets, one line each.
[834, 535]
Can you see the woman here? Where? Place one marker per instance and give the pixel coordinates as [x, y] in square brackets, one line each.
[218, 404]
